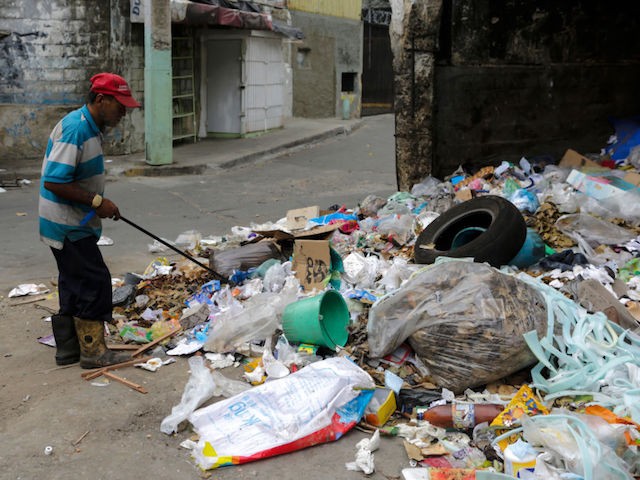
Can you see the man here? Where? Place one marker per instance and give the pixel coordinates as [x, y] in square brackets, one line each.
[71, 186]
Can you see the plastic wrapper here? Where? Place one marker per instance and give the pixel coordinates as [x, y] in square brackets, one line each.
[316, 404]
[464, 320]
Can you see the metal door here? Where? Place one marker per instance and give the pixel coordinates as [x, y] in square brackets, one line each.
[377, 70]
[224, 86]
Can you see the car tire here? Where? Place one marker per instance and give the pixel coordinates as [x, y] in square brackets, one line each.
[500, 232]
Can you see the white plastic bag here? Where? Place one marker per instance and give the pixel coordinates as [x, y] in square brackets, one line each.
[360, 270]
[316, 404]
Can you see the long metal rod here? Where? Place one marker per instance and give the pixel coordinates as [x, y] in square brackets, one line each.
[167, 244]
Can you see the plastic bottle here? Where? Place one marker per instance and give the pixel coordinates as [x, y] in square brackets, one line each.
[460, 415]
[518, 458]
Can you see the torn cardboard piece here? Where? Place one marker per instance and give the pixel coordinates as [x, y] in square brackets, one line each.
[297, 219]
[573, 159]
[316, 233]
[312, 263]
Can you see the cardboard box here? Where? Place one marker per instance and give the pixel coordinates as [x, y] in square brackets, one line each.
[378, 416]
[311, 263]
[598, 186]
[573, 159]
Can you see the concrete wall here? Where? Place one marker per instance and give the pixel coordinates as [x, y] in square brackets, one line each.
[49, 50]
[477, 82]
[331, 47]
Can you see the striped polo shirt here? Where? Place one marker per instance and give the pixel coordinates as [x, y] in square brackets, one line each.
[74, 154]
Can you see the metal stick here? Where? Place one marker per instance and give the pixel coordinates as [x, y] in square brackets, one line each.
[167, 244]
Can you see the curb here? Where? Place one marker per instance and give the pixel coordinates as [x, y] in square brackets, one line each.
[145, 170]
[285, 147]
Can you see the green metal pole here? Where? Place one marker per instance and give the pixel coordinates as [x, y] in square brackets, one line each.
[157, 83]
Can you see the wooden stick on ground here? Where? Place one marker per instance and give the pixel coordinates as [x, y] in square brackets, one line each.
[134, 386]
[91, 374]
[147, 346]
[122, 346]
[75, 444]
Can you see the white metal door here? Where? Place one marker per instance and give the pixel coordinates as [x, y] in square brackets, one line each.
[224, 86]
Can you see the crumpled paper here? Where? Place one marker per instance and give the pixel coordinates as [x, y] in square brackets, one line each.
[153, 364]
[364, 455]
[28, 289]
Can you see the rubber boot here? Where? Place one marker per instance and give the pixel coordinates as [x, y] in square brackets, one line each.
[93, 349]
[67, 345]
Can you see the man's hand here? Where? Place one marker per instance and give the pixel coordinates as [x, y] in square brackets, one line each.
[108, 209]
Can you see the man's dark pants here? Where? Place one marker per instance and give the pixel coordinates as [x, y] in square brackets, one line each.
[84, 281]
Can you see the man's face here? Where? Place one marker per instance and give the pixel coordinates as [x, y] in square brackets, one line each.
[111, 111]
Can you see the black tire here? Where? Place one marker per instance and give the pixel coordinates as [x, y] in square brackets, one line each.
[503, 237]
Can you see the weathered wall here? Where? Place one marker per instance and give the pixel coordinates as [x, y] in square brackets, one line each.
[414, 32]
[511, 78]
[47, 57]
[533, 78]
[331, 46]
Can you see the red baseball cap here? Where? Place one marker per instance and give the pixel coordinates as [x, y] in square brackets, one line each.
[114, 85]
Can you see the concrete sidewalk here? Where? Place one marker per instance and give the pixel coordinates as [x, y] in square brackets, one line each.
[208, 153]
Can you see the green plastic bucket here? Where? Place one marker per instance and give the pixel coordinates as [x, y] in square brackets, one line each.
[321, 320]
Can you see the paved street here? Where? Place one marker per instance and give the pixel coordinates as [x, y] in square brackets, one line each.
[341, 170]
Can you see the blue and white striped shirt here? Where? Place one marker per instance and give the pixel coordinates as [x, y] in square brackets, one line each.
[74, 154]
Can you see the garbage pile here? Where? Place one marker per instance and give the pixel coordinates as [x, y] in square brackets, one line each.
[490, 320]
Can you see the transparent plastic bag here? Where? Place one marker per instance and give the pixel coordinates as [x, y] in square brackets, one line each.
[397, 227]
[625, 205]
[464, 320]
[564, 197]
[429, 187]
[258, 320]
[200, 388]
[395, 273]
[275, 277]
[593, 230]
